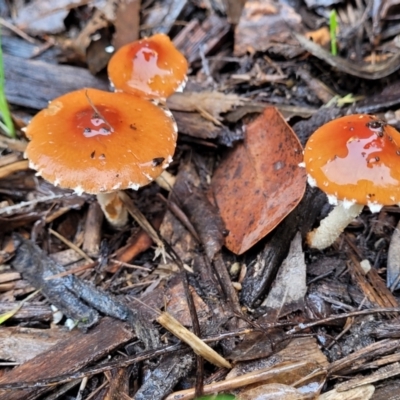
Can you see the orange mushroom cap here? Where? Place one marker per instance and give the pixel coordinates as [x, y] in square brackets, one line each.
[94, 141]
[356, 158]
[151, 67]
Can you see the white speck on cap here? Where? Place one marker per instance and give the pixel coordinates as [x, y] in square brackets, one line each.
[79, 190]
[348, 203]
[332, 199]
[374, 207]
[311, 181]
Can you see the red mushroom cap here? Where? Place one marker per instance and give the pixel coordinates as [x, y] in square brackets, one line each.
[356, 158]
[94, 141]
[151, 67]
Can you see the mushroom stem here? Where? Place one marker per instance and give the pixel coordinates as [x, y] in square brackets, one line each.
[166, 180]
[113, 208]
[333, 225]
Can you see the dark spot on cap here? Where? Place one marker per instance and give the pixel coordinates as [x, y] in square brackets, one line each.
[92, 154]
[158, 161]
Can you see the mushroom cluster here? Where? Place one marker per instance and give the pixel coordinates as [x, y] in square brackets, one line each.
[355, 160]
[103, 142]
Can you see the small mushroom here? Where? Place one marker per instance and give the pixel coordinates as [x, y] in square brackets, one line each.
[99, 142]
[150, 67]
[355, 160]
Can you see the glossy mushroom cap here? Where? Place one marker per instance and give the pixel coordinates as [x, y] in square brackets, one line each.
[151, 68]
[93, 141]
[355, 159]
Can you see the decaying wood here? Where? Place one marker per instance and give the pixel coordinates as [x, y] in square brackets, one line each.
[262, 272]
[197, 40]
[362, 393]
[386, 372]
[21, 344]
[33, 90]
[371, 285]
[355, 360]
[74, 354]
[33, 311]
[250, 308]
[288, 291]
[247, 379]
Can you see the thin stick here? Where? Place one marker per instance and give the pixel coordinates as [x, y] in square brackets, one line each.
[71, 245]
[98, 112]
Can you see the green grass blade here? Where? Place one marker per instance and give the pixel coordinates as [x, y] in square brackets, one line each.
[333, 26]
[8, 125]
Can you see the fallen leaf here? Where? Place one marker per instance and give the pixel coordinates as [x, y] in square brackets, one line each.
[45, 17]
[214, 103]
[263, 24]
[259, 182]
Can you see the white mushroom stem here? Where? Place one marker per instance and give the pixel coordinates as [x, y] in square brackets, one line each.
[333, 225]
[113, 208]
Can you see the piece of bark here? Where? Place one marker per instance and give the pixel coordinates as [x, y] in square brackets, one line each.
[206, 38]
[193, 124]
[263, 24]
[231, 296]
[31, 311]
[92, 230]
[258, 345]
[189, 196]
[21, 344]
[168, 373]
[177, 305]
[383, 373]
[163, 15]
[259, 182]
[119, 384]
[388, 98]
[32, 83]
[261, 273]
[371, 284]
[16, 46]
[355, 360]
[234, 9]
[388, 329]
[362, 393]
[289, 288]
[212, 102]
[74, 297]
[388, 391]
[75, 352]
[9, 276]
[285, 372]
[127, 21]
[182, 241]
[44, 17]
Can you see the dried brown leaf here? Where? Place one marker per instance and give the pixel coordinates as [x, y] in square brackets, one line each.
[259, 182]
